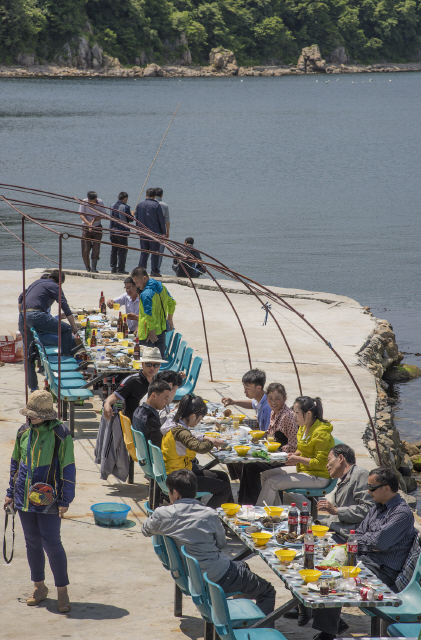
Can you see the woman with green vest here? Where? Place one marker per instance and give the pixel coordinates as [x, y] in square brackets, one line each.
[41, 488]
[314, 441]
[179, 448]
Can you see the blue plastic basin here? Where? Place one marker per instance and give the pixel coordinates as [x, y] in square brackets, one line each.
[110, 514]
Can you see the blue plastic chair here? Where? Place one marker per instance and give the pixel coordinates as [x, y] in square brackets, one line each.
[243, 613]
[172, 352]
[160, 472]
[191, 380]
[168, 339]
[404, 630]
[158, 543]
[223, 623]
[187, 358]
[68, 363]
[143, 453]
[176, 365]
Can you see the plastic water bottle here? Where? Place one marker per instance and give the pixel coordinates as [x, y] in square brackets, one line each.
[293, 519]
[352, 549]
[309, 550]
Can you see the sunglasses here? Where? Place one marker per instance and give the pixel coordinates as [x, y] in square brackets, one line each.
[372, 489]
[155, 365]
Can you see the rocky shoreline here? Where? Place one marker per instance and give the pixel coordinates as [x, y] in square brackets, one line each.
[381, 355]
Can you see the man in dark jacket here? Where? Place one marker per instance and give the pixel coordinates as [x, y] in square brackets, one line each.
[193, 269]
[119, 233]
[149, 214]
[146, 417]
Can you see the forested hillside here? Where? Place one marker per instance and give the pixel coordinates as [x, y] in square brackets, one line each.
[256, 30]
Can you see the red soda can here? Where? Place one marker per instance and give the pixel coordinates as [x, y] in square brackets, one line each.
[366, 593]
[357, 581]
[379, 596]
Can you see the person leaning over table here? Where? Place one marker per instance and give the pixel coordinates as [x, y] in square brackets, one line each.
[179, 447]
[134, 387]
[49, 445]
[254, 383]
[385, 538]
[190, 523]
[314, 441]
[156, 307]
[130, 301]
[283, 428]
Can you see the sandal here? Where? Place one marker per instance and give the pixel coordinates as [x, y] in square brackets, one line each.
[32, 600]
[64, 607]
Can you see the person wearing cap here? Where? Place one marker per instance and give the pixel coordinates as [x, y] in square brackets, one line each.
[41, 488]
[133, 388]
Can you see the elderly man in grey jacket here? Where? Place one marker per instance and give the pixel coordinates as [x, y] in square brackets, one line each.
[199, 528]
[349, 503]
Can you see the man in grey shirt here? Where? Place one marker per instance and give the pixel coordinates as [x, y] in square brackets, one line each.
[92, 229]
[166, 212]
[199, 528]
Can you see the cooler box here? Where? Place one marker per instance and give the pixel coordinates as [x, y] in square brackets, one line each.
[11, 348]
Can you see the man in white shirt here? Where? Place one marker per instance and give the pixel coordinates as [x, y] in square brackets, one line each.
[92, 229]
[130, 300]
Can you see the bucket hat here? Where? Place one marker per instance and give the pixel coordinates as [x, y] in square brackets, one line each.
[40, 406]
[151, 354]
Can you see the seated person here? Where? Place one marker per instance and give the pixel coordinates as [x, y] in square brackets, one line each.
[283, 428]
[314, 441]
[349, 503]
[179, 447]
[385, 537]
[254, 383]
[180, 519]
[146, 417]
[133, 388]
[130, 300]
[194, 270]
[175, 380]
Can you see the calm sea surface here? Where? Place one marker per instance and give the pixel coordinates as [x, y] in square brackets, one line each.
[291, 181]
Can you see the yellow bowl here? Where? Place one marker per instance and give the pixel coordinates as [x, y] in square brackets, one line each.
[272, 446]
[256, 435]
[354, 572]
[260, 538]
[212, 434]
[231, 508]
[285, 555]
[239, 416]
[350, 571]
[274, 511]
[319, 530]
[242, 450]
[310, 575]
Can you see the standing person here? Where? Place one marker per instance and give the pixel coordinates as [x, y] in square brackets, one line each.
[166, 213]
[119, 233]
[92, 229]
[130, 300]
[194, 269]
[156, 307]
[254, 383]
[149, 214]
[43, 457]
[314, 441]
[39, 297]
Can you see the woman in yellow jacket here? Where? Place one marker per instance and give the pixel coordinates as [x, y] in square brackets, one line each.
[314, 441]
[179, 448]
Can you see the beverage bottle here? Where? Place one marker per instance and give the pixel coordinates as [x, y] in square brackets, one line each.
[113, 386]
[293, 519]
[352, 549]
[309, 550]
[125, 328]
[101, 299]
[93, 338]
[136, 350]
[105, 389]
[120, 323]
[102, 356]
[304, 516]
[103, 308]
[88, 329]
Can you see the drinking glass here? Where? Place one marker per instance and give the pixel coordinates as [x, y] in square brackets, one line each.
[120, 335]
[116, 306]
[324, 587]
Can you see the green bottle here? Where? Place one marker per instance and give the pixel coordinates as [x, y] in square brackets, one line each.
[88, 330]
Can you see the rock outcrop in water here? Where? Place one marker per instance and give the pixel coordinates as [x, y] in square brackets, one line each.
[311, 60]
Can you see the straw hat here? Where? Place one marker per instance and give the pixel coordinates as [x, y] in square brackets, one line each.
[40, 406]
[151, 354]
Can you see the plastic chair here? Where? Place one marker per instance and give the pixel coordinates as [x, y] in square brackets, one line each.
[160, 472]
[185, 365]
[313, 494]
[144, 459]
[176, 365]
[404, 630]
[67, 362]
[223, 623]
[158, 543]
[191, 380]
[126, 427]
[242, 612]
[172, 352]
[168, 339]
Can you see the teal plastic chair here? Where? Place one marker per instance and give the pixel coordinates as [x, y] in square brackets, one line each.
[404, 630]
[242, 612]
[168, 339]
[187, 358]
[144, 459]
[158, 543]
[191, 380]
[223, 623]
[171, 353]
[176, 365]
[67, 362]
[160, 473]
